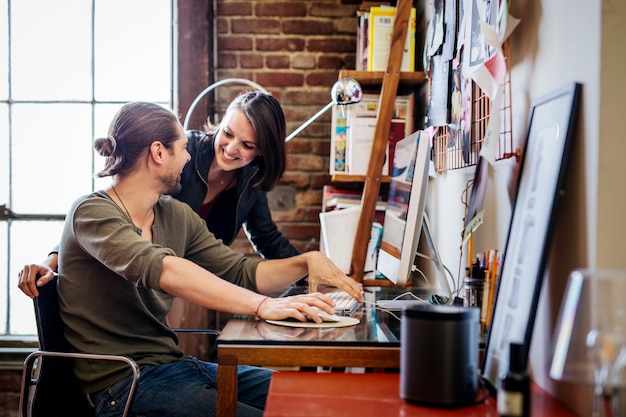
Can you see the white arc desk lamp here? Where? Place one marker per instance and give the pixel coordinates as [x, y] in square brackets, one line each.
[344, 91]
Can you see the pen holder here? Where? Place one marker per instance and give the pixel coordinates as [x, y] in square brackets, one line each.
[475, 294]
[439, 354]
[473, 290]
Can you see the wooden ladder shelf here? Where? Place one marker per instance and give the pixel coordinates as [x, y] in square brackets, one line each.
[371, 189]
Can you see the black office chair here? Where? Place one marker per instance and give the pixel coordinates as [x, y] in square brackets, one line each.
[49, 387]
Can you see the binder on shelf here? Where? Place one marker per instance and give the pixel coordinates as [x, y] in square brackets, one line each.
[380, 32]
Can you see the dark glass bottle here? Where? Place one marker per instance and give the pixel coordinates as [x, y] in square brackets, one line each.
[514, 388]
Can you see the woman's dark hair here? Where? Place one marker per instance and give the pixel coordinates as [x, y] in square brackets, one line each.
[268, 121]
[135, 126]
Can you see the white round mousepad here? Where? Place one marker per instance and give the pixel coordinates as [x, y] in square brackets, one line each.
[343, 322]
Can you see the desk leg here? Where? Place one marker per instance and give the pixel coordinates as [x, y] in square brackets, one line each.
[227, 386]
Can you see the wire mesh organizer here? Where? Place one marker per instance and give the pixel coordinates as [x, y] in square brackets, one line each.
[448, 157]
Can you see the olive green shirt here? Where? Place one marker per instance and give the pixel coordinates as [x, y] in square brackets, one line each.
[110, 298]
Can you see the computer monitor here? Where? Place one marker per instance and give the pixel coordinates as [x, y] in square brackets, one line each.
[405, 208]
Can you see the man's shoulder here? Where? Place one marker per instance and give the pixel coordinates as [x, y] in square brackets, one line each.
[96, 197]
[169, 204]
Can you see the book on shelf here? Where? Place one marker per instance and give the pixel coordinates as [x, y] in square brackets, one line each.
[338, 203]
[336, 198]
[338, 140]
[330, 191]
[380, 23]
[362, 47]
[353, 128]
[361, 40]
[359, 144]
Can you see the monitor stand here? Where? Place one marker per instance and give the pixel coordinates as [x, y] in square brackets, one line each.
[437, 294]
[442, 279]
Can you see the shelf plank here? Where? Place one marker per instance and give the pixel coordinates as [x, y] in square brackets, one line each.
[375, 78]
[356, 178]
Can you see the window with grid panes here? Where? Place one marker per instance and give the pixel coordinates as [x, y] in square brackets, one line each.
[66, 67]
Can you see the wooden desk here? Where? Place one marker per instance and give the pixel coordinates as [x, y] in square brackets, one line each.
[307, 394]
[254, 342]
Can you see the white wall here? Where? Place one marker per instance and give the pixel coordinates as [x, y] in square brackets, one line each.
[558, 42]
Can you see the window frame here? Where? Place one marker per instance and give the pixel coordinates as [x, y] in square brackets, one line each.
[14, 347]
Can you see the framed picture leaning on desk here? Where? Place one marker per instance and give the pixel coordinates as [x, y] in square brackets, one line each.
[540, 183]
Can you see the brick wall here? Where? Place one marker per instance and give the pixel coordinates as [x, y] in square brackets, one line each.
[10, 381]
[294, 49]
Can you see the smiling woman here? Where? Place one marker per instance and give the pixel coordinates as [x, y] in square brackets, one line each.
[65, 74]
[233, 166]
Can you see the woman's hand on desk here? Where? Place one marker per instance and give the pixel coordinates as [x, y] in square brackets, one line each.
[33, 276]
[322, 271]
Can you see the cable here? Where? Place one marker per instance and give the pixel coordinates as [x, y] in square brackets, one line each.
[379, 305]
[430, 258]
[465, 202]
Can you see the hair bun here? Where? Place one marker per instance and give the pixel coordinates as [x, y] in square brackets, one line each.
[105, 146]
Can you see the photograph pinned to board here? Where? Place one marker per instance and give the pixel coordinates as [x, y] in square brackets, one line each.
[475, 209]
[540, 184]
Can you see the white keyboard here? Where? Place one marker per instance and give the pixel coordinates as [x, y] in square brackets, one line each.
[345, 305]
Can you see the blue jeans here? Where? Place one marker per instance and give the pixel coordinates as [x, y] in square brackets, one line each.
[184, 388]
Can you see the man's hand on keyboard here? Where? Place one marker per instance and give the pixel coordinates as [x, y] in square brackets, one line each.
[298, 307]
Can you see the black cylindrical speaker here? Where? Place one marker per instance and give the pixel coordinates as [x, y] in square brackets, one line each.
[439, 354]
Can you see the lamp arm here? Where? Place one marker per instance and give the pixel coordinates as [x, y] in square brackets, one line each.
[308, 122]
[215, 85]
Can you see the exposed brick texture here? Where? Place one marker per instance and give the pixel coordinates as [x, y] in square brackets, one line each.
[234, 8]
[234, 43]
[281, 8]
[289, 44]
[251, 61]
[277, 61]
[10, 381]
[255, 26]
[307, 27]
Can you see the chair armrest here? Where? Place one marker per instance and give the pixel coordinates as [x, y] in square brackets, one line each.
[30, 361]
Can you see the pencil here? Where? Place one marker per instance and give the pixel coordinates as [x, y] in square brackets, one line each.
[493, 273]
[470, 251]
